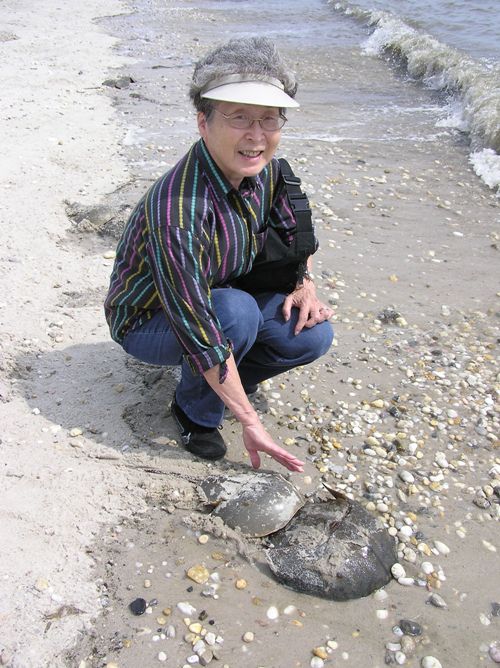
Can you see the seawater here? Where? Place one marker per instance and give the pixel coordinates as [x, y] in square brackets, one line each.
[452, 46]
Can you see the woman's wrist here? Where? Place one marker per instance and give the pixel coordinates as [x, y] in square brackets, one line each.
[248, 418]
[306, 276]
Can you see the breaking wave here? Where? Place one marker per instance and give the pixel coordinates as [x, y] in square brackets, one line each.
[472, 86]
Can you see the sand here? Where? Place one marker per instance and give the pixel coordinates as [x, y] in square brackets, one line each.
[99, 502]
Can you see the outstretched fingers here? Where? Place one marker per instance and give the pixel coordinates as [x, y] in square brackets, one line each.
[257, 441]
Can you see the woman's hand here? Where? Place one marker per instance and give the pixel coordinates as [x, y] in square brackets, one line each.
[311, 310]
[256, 439]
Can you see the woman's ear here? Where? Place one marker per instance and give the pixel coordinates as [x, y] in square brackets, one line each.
[202, 124]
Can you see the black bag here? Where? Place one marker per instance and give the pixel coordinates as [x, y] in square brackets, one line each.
[278, 267]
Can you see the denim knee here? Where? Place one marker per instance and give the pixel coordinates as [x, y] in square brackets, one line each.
[239, 316]
[314, 342]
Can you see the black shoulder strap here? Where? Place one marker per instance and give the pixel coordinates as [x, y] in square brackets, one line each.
[306, 239]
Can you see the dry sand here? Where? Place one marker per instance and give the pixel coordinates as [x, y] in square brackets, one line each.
[99, 502]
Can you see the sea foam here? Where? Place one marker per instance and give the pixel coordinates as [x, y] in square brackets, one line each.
[486, 164]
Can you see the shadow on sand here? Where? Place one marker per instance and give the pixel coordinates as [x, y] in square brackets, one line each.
[114, 400]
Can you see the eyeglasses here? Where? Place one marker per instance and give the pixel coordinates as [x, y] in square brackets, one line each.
[244, 122]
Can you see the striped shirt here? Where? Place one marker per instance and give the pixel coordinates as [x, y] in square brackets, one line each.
[191, 232]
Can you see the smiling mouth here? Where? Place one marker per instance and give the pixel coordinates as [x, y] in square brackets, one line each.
[251, 154]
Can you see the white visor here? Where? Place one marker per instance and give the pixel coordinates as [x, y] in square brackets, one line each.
[249, 89]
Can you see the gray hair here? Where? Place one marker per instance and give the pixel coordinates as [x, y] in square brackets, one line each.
[254, 55]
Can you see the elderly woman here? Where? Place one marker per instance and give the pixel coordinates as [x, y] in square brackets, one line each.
[172, 297]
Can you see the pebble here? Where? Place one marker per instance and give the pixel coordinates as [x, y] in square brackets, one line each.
[410, 628]
[316, 662]
[437, 601]
[489, 546]
[320, 652]
[427, 567]
[248, 636]
[206, 657]
[41, 584]
[138, 606]
[382, 614]
[240, 583]
[400, 658]
[203, 539]
[405, 532]
[198, 574]
[272, 612]
[195, 627]
[442, 548]
[494, 652]
[398, 571]
[406, 476]
[162, 656]
[430, 662]
[186, 608]
[393, 646]
[408, 645]
[441, 460]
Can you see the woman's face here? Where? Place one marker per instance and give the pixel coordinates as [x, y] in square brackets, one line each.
[239, 153]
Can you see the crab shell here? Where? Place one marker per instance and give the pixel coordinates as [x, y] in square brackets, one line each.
[334, 549]
[256, 504]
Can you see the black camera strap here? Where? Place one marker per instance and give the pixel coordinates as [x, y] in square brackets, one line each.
[305, 239]
[301, 209]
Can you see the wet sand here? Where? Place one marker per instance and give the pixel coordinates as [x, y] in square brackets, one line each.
[101, 504]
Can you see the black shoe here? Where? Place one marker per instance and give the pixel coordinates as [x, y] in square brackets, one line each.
[205, 442]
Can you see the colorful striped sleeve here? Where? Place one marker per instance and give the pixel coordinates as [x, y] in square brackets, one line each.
[178, 255]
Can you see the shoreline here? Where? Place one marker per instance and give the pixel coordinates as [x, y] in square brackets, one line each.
[92, 459]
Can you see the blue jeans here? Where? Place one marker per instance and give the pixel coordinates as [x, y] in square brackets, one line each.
[264, 345]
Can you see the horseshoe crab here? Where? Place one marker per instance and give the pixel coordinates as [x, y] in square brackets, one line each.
[332, 548]
[256, 504]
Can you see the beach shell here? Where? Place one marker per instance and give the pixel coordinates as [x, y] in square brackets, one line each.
[334, 549]
[256, 504]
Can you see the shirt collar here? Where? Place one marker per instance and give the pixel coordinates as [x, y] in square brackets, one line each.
[219, 182]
